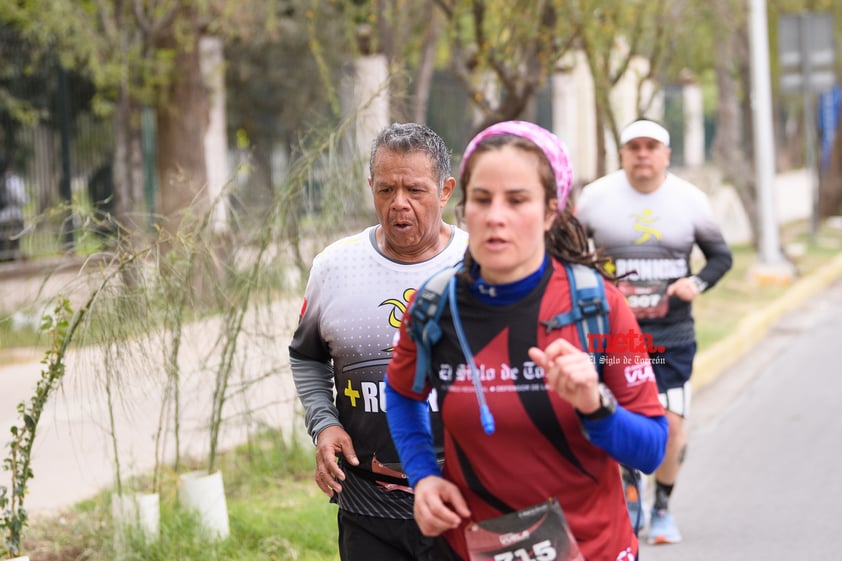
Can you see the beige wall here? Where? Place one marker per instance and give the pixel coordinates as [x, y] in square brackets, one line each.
[574, 112]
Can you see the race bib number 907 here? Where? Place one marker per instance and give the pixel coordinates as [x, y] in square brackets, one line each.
[647, 299]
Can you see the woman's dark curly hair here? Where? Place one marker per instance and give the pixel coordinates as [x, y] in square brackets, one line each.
[566, 240]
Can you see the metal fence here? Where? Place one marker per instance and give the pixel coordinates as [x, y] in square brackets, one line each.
[58, 176]
[53, 142]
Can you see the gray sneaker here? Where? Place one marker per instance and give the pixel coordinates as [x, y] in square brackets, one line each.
[662, 528]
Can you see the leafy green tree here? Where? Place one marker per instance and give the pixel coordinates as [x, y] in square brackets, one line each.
[29, 99]
[23, 99]
[407, 33]
[281, 81]
[112, 43]
[137, 53]
[732, 153]
[612, 34]
[518, 53]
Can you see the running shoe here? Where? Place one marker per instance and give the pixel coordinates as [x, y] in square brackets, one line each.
[662, 528]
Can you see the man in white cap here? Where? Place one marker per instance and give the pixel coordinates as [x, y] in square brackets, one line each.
[648, 220]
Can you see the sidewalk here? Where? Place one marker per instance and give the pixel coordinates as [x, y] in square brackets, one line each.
[711, 363]
[792, 192]
[74, 456]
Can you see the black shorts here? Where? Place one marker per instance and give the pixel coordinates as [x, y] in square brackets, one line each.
[368, 538]
[673, 368]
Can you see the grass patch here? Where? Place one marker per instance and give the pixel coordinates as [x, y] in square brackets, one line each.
[275, 511]
[19, 330]
[737, 295]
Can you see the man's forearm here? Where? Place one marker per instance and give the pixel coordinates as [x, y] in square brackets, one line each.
[314, 384]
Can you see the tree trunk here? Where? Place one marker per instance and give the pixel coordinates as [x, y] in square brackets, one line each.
[601, 168]
[181, 126]
[728, 154]
[424, 78]
[830, 188]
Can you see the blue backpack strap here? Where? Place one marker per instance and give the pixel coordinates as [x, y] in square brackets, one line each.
[589, 310]
[424, 329]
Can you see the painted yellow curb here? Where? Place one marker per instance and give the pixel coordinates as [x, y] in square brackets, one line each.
[711, 363]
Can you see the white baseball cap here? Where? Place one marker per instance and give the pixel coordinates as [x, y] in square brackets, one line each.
[645, 129]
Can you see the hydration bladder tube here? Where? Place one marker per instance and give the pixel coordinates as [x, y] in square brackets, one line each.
[485, 416]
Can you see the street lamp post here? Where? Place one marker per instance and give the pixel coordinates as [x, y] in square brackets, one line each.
[772, 266]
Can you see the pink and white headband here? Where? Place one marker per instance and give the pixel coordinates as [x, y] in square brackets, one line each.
[549, 143]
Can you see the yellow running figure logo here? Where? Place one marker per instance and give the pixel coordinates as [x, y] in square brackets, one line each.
[643, 223]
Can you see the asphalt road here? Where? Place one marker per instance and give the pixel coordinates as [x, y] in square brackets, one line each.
[763, 475]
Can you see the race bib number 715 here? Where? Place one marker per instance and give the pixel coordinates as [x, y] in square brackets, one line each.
[537, 533]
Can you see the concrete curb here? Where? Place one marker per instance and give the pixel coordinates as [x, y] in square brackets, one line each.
[42, 266]
[711, 363]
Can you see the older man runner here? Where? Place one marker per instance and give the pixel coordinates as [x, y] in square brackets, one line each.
[355, 298]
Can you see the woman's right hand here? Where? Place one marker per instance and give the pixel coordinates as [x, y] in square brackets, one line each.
[439, 506]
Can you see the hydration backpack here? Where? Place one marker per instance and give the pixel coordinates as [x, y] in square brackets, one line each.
[589, 310]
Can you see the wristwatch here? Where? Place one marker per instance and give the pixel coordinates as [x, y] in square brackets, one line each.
[700, 284]
[607, 405]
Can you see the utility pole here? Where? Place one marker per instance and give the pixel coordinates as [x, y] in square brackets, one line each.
[772, 266]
